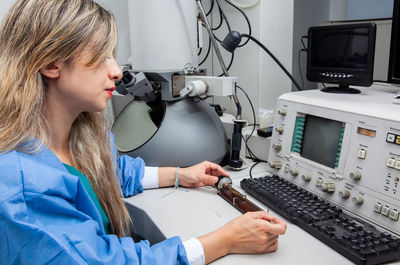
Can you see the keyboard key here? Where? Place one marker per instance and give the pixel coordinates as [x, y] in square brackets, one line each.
[383, 249]
[367, 252]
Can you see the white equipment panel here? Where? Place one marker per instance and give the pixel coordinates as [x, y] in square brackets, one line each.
[344, 148]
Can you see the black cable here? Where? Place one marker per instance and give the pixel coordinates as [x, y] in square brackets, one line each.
[252, 108]
[230, 64]
[301, 74]
[220, 20]
[223, 15]
[275, 59]
[252, 155]
[247, 20]
[211, 7]
[208, 52]
[302, 42]
[299, 59]
[253, 166]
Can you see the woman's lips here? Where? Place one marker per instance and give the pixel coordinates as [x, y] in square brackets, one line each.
[110, 90]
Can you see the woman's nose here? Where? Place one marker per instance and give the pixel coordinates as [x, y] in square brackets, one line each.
[115, 72]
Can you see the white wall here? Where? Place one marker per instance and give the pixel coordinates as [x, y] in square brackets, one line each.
[260, 76]
[302, 21]
[120, 10]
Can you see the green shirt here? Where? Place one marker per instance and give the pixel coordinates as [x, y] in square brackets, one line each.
[92, 194]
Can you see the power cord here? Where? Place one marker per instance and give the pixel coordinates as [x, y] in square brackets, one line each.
[299, 59]
[301, 74]
[245, 17]
[252, 155]
[274, 58]
[211, 7]
[253, 166]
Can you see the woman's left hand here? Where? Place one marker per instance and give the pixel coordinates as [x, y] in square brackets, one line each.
[202, 174]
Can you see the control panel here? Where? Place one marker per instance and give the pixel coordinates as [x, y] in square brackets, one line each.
[344, 148]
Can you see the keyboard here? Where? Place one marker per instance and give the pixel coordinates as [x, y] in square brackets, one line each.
[357, 240]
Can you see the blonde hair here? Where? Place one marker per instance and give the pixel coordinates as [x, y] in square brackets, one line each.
[36, 33]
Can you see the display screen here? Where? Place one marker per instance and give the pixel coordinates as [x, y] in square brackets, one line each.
[366, 132]
[340, 48]
[321, 140]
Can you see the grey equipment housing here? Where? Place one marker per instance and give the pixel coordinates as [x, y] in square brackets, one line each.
[169, 132]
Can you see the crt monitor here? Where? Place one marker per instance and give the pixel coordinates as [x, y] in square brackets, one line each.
[394, 58]
[341, 54]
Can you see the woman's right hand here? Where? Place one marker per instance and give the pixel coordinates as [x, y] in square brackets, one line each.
[253, 232]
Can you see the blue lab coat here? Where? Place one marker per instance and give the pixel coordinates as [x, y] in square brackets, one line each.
[47, 217]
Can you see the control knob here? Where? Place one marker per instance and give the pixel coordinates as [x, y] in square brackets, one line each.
[277, 146]
[306, 178]
[355, 175]
[282, 112]
[344, 194]
[294, 172]
[280, 129]
[358, 199]
[275, 164]
[328, 187]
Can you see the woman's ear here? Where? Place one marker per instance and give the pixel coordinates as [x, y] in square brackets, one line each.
[51, 70]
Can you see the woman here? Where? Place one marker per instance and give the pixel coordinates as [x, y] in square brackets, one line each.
[60, 179]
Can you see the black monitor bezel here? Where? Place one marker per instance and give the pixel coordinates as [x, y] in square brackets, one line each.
[359, 77]
[394, 43]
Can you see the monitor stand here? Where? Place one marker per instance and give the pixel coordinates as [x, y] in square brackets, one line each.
[341, 89]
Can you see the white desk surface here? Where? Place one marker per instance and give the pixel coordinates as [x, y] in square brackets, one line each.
[200, 211]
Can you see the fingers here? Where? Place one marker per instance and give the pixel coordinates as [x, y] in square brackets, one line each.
[269, 223]
[273, 246]
[209, 180]
[268, 227]
[214, 169]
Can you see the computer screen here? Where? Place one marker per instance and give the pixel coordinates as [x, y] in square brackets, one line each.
[341, 54]
[322, 140]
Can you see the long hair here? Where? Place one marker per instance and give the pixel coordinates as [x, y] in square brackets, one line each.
[36, 33]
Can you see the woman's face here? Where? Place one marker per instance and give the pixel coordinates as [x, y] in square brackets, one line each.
[85, 89]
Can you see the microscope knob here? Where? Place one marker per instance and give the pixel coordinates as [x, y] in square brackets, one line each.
[222, 180]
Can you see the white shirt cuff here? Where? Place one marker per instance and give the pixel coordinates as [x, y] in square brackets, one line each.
[150, 178]
[194, 252]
